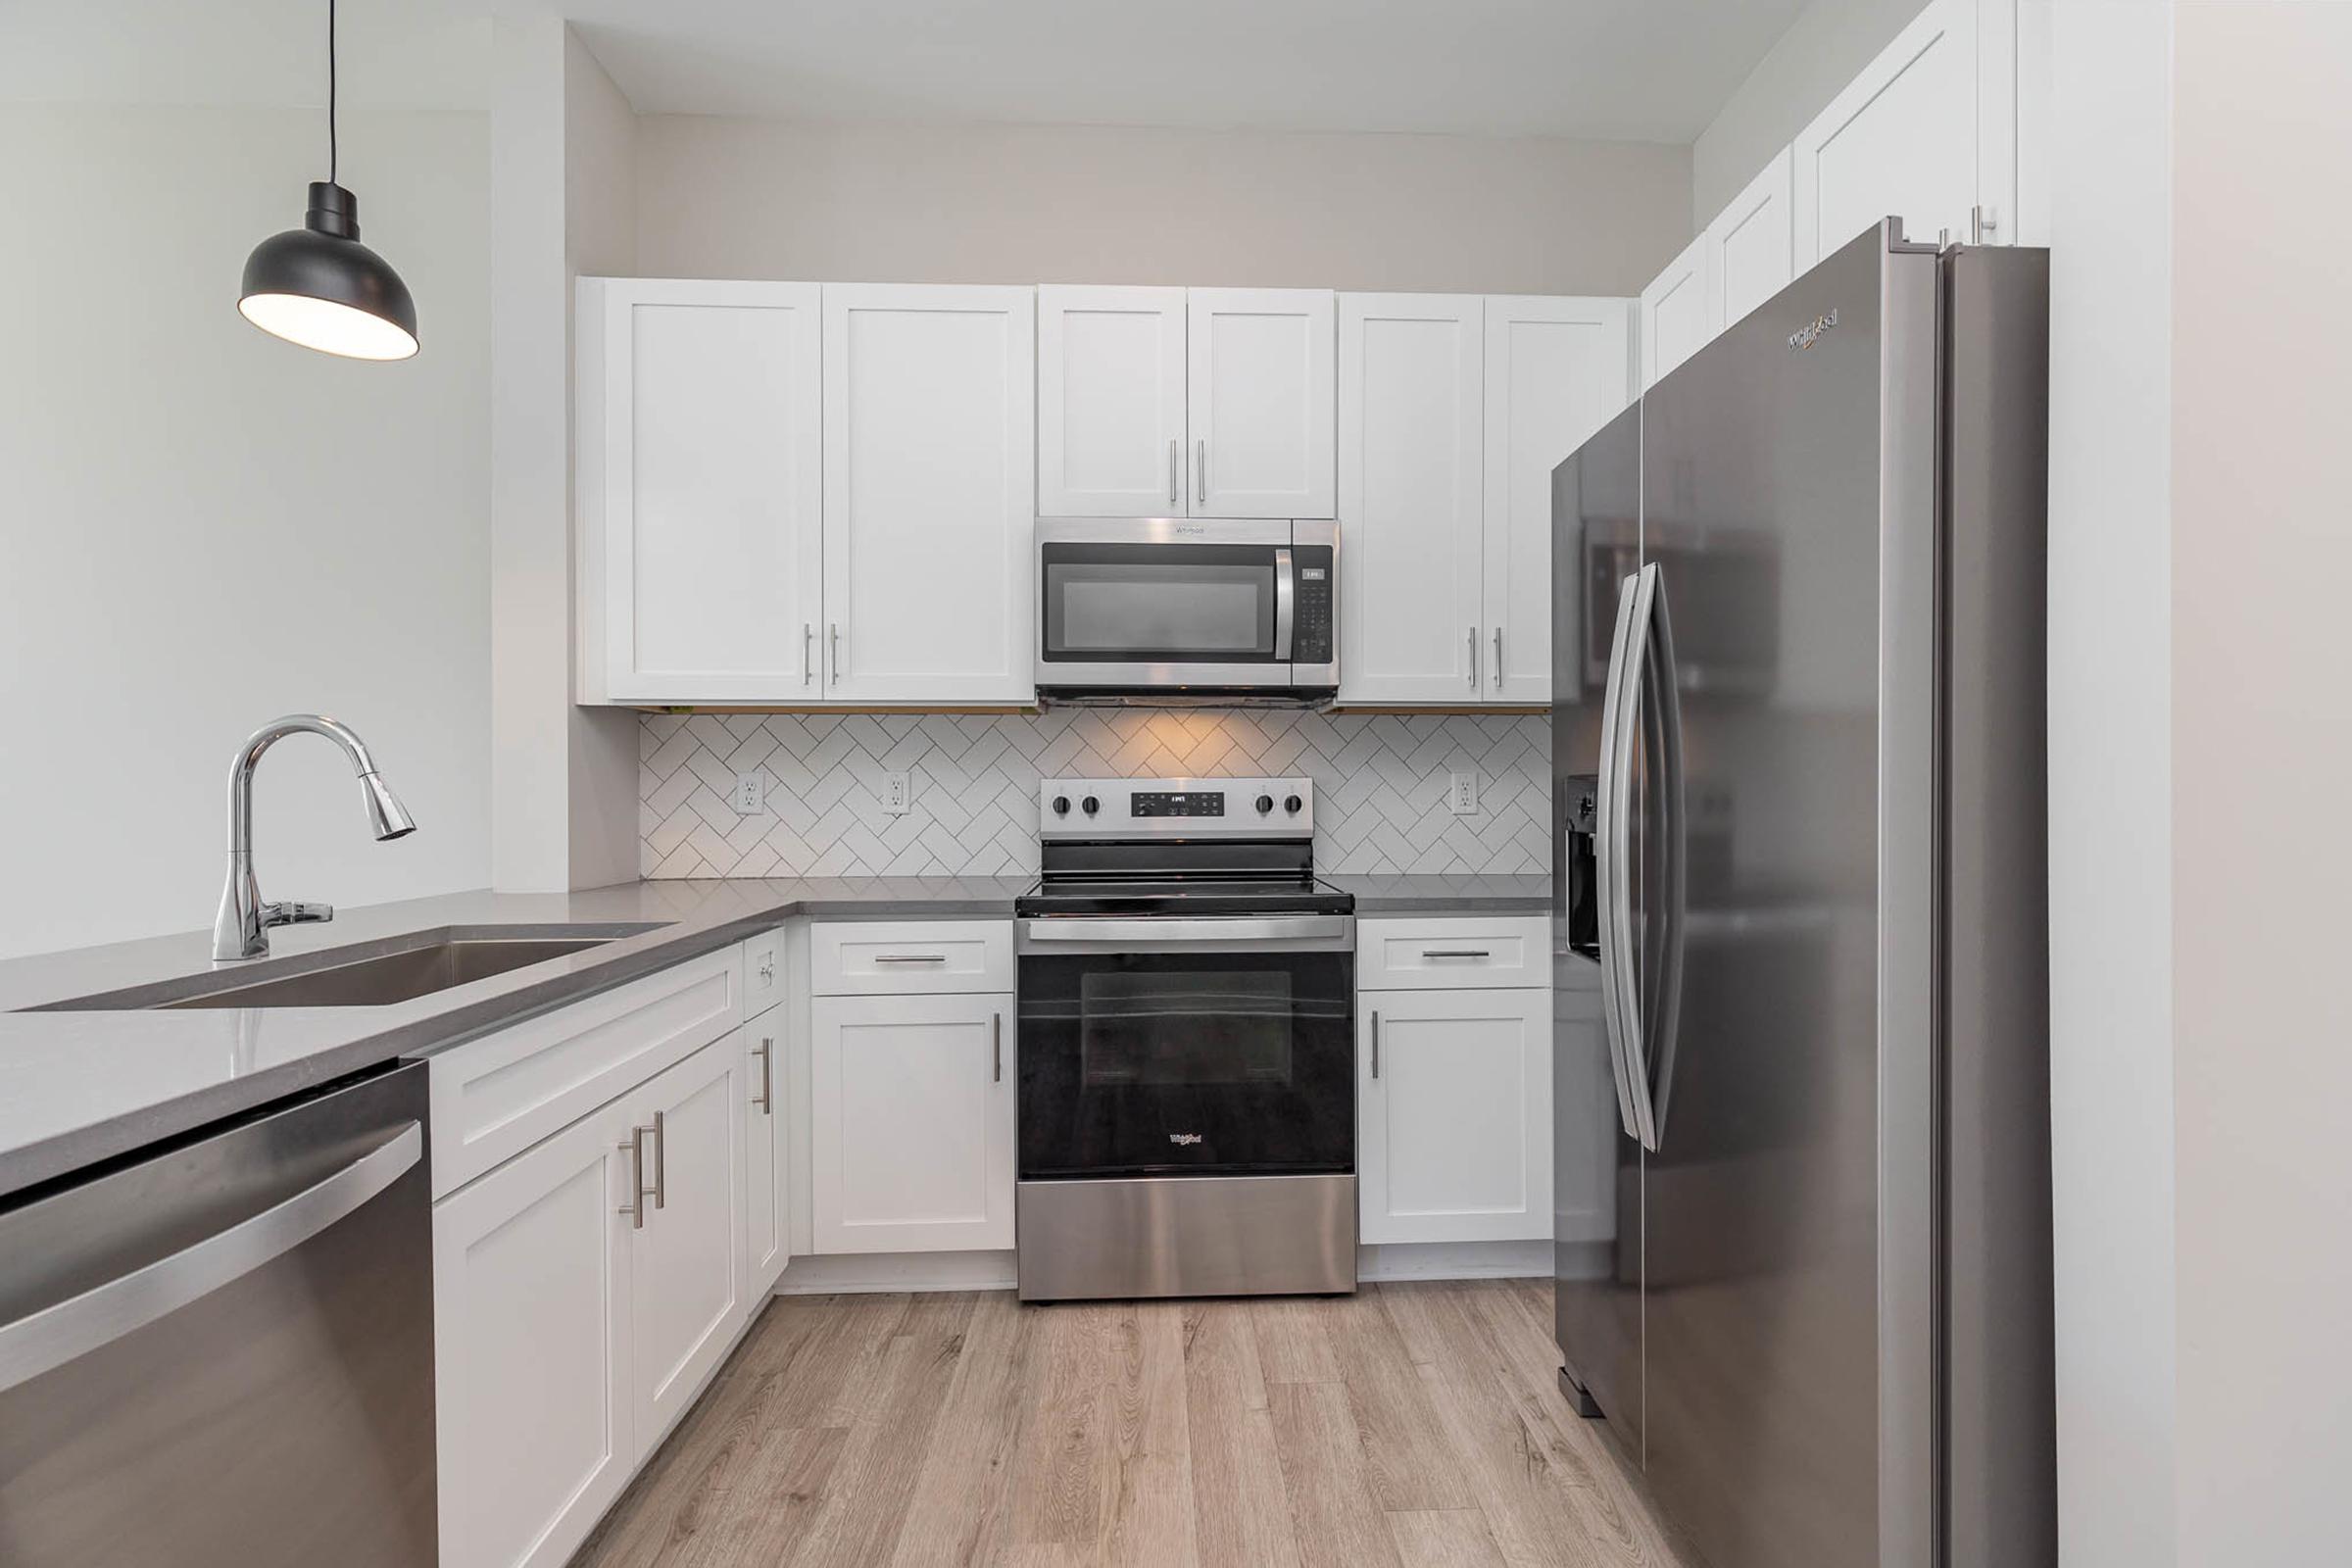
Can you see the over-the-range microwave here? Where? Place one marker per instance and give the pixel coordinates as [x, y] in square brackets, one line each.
[1174, 611]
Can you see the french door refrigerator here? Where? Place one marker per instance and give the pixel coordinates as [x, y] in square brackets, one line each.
[1802, 954]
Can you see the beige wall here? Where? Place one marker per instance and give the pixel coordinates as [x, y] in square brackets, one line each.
[1824, 48]
[747, 198]
[2261, 757]
[203, 527]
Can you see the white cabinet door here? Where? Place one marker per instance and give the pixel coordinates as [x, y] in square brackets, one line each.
[1750, 245]
[531, 1350]
[930, 481]
[1410, 514]
[1557, 370]
[1901, 140]
[911, 1123]
[1110, 402]
[686, 1275]
[1262, 379]
[699, 489]
[1454, 1137]
[767, 1157]
[1677, 314]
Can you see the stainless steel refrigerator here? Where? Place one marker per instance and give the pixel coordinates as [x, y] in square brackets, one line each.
[1804, 1220]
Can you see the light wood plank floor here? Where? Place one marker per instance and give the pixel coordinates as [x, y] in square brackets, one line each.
[1411, 1424]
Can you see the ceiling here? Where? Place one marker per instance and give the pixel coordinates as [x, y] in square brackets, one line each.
[1622, 69]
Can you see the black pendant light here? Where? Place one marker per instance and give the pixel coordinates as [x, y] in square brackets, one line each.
[317, 285]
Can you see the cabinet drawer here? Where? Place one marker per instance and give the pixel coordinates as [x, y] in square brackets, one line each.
[762, 973]
[495, 1097]
[1512, 950]
[878, 958]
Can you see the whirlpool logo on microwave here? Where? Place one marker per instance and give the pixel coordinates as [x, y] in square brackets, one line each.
[1184, 1139]
[1803, 338]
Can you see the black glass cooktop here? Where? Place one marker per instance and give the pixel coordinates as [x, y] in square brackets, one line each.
[1184, 895]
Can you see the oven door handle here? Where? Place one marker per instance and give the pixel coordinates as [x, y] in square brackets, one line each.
[1294, 933]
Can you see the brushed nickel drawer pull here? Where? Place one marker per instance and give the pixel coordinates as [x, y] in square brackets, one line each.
[1456, 952]
[910, 958]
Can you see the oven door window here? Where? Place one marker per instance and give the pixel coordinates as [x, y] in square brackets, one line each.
[1158, 604]
[1221, 1064]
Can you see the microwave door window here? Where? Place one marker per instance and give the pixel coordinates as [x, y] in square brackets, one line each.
[1217, 611]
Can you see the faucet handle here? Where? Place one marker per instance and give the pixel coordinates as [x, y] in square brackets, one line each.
[296, 914]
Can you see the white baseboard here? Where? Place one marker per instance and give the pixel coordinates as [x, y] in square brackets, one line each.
[862, 1273]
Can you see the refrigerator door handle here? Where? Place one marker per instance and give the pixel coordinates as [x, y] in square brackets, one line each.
[1610, 844]
[1665, 1018]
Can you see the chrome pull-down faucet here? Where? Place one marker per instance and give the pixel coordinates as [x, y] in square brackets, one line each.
[242, 930]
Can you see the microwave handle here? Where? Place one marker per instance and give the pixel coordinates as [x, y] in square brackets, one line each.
[1285, 601]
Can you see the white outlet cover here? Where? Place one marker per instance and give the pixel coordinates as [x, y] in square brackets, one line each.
[897, 794]
[1461, 794]
[749, 796]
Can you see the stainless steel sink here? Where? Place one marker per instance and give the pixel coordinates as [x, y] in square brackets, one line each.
[367, 974]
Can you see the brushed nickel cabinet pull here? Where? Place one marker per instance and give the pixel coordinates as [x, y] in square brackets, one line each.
[1456, 952]
[661, 1161]
[635, 1206]
[997, 1048]
[1376, 1045]
[766, 1098]
[1174, 462]
[910, 958]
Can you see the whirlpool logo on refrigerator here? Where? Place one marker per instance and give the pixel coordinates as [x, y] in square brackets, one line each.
[1804, 336]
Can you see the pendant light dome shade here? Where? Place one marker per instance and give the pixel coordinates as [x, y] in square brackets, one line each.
[319, 286]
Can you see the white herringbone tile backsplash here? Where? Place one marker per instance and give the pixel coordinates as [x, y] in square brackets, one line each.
[1380, 786]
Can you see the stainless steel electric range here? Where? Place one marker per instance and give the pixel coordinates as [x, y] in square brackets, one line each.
[1187, 1046]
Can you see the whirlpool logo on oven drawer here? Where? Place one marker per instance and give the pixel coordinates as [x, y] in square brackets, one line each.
[1184, 1139]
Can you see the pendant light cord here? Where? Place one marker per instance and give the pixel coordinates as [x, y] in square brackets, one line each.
[332, 149]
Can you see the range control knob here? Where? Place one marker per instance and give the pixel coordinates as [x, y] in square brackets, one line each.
[1292, 803]
[1061, 805]
[1265, 804]
[1090, 805]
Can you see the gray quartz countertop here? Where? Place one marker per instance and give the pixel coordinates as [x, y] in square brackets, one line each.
[82, 1086]
[1396, 894]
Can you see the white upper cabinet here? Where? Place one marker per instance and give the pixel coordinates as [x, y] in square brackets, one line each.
[1411, 520]
[1110, 403]
[1903, 139]
[1678, 314]
[698, 488]
[1262, 382]
[1751, 255]
[1557, 371]
[929, 493]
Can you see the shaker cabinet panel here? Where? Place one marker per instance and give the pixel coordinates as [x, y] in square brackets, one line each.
[1751, 244]
[1455, 1115]
[1901, 140]
[1556, 370]
[1678, 314]
[930, 476]
[1411, 518]
[912, 1122]
[1110, 402]
[1262, 381]
[700, 487]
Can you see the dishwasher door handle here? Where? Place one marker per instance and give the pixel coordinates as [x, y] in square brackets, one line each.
[98, 1316]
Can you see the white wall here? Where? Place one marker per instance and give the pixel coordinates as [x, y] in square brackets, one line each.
[1824, 48]
[201, 527]
[2261, 753]
[2110, 760]
[564, 804]
[752, 198]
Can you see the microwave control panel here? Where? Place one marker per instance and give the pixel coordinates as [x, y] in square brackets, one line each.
[1310, 605]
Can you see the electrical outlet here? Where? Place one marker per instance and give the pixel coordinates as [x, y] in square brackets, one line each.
[1461, 794]
[750, 794]
[897, 794]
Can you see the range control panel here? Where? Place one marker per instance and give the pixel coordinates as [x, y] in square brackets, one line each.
[1176, 807]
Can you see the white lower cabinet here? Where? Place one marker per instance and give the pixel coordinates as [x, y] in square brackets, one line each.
[687, 1292]
[531, 1305]
[911, 1124]
[767, 1151]
[1453, 1131]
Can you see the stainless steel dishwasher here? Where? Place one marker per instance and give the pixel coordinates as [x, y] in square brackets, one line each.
[221, 1352]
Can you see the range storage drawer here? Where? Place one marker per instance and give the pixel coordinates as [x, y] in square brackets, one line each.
[886, 957]
[1453, 950]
